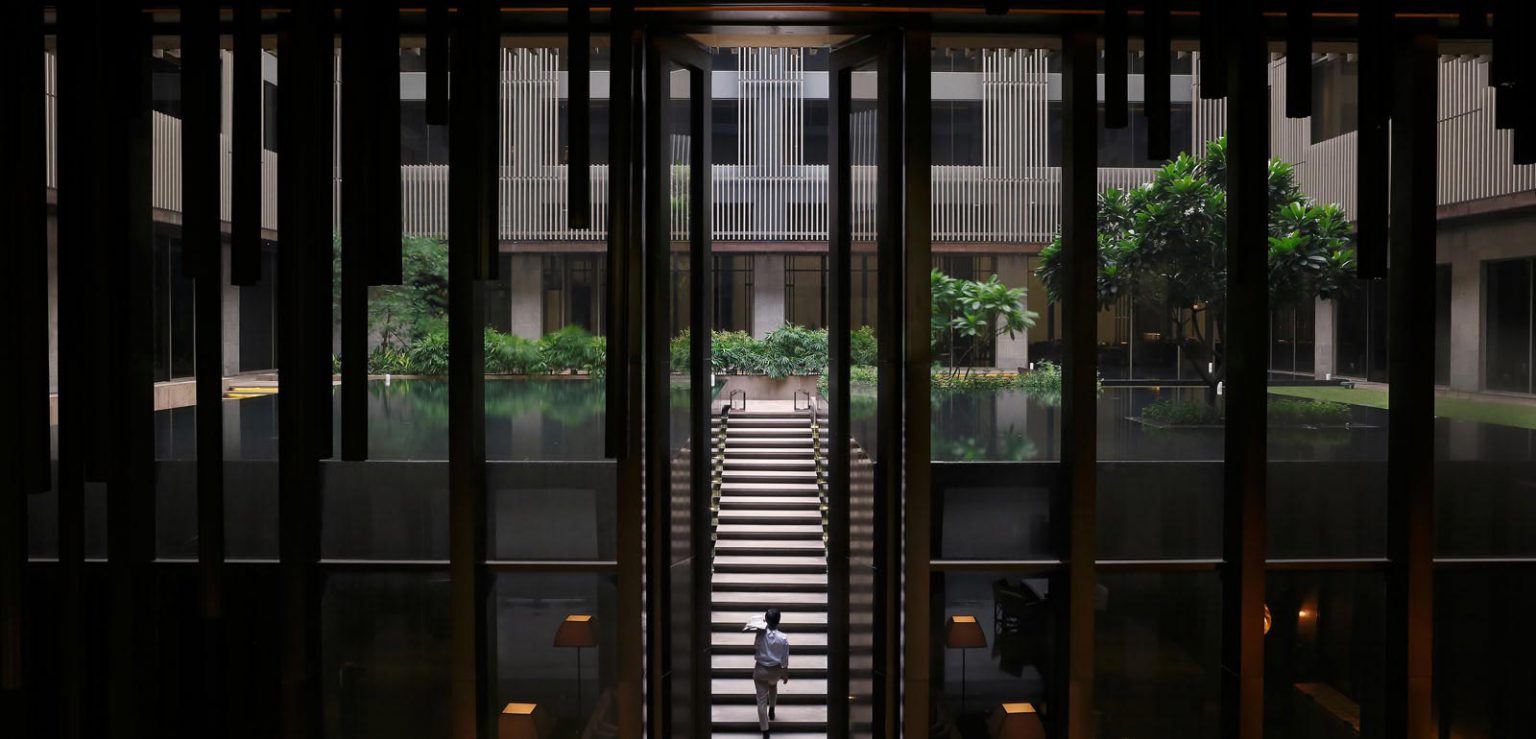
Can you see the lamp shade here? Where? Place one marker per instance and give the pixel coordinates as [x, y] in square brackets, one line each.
[520, 721]
[576, 631]
[1016, 721]
[963, 632]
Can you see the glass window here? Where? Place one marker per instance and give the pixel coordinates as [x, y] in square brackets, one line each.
[805, 292]
[1335, 98]
[956, 129]
[1509, 312]
[725, 116]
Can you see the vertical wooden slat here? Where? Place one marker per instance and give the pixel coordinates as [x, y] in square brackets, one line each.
[201, 99]
[245, 159]
[1409, 697]
[471, 205]
[1213, 49]
[839, 280]
[437, 62]
[125, 247]
[382, 72]
[701, 299]
[578, 118]
[78, 113]
[24, 407]
[1298, 59]
[657, 444]
[1156, 82]
[360, 228]
[1375, 111]
[1075, 513]
[303, 266]
[1116, 61]
[617, 441]
[1247, 344]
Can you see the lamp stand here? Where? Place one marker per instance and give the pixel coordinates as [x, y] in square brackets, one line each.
[579, 714]
[962, 679]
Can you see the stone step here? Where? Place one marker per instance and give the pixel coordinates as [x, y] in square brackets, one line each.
[770, 547]
[770, 565]
[782, 432]
[743, 717]
[781, 502]
[732, 665]
[798, 691]
[770, 488]
[814, 582]
[740, 643]
[727, 530]
[760, 600]
[790, 452]
[766, 516]
[806, 476]
[754, 734]
[804, 462]
[745, 421]
[789, 621]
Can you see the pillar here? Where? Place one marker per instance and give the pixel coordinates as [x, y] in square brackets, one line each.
[767, 293]
[1323, 335]
[1466, 311]
[231, 315]
[1013, 352]
[527, 278]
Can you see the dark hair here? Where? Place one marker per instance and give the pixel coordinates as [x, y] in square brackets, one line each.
[772, 617]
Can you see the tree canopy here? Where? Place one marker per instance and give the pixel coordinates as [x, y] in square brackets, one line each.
[1166, 241]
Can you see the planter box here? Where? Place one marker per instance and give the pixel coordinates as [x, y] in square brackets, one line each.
[762, 387]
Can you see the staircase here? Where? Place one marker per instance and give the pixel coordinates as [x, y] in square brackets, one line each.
[770, 552]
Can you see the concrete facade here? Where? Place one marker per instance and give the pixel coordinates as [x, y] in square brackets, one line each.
[1013, 352]
[527, 273]
[767, 293]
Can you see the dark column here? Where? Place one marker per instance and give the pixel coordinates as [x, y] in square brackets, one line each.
[1411, 362]
[1247, 350]
[658, 401]
[24, 432]
[1075, 513]
[471, 247]
[201, 235]
[245, 155]
[838, 439]
[303, 335]
[701, 298]
[1371, 157]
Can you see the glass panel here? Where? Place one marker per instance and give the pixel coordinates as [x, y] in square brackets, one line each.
[384, 647]
[1324, 648]
[1161, 422]
[1158, 649]
[994, 645]
[553, 644]
[1483, 643]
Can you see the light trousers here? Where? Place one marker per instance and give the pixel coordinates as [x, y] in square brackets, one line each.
[766, 680]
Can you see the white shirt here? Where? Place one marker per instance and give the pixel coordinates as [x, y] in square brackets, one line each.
[772, 648]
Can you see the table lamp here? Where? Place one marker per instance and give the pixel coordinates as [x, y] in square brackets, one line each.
[962, 633]
[577, 631]
[1016, 721]
[520, 721]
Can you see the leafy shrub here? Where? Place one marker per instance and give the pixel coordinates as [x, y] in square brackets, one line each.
[795, 350]
[386, 360]
[950, 381]
[863, 349]
[1303, 412]
[506, 354]
[570, 349]
[681, 349]
[736, 352]
[1044, 378]
[428, 355]
[1182, 412]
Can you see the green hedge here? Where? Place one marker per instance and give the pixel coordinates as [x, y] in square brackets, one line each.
[1283, 412]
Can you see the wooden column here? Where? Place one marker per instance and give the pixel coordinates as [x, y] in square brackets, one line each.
[1411, 396]
[1247, 352]
[1075, 512]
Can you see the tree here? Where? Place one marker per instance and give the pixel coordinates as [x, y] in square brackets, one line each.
[968, 313]
[1166, 240]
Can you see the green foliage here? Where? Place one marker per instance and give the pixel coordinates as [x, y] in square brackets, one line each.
[1044, 378]
[428, 355]
[967, 313]
[386, 360]
[950, 381]
[680, 349]
[736, 352]
[571, 349]
[1283, 413]
[1166, 241]
[1299, 412]
[506, 354]
[863, 348]
[795, 350]
[1176, 412]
